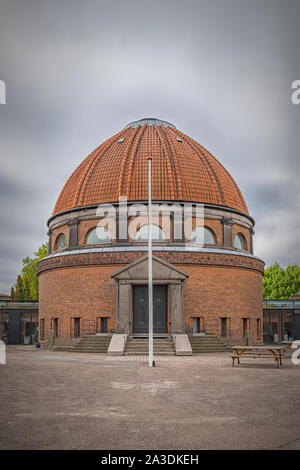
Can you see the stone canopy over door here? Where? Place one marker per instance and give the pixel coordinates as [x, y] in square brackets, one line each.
[136, 274]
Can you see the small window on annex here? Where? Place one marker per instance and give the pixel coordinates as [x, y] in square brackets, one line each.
[61, 242]
[203, 235]
[97, 235]
[42, 328]
[157, 233]
[239, 242]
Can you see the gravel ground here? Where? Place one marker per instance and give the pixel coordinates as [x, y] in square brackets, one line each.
[51, 400]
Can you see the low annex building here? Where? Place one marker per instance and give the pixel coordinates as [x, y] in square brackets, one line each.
[206, 277]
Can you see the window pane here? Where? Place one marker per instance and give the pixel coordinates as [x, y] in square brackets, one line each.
[239, 241]
[61, 242]
[97, 235]
[203, 235]
[157, 233]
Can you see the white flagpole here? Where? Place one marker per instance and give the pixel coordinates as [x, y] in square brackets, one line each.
[150, 290]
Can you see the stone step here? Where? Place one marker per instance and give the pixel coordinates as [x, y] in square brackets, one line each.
[90, 347]
[205, 339]
[146, 351]
[96, 340]
[207, 343]
[93, 344]
[138, 341]
[143, 353]
[146, 341]
[146, 346]
[95, 351]
[140, 347]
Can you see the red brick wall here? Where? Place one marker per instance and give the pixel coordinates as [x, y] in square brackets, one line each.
[85, 292]
[220, 291]
[211, 291]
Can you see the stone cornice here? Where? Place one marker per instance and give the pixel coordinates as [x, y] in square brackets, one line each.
[125, 257]
[78, 211]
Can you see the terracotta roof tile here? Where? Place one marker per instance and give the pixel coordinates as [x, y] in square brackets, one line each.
[182, 170]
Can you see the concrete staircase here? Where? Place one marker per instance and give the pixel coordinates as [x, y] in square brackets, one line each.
[93, 344]
[140, 347]
[207, 343]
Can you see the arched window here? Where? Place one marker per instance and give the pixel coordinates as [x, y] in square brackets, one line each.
[157, 233]
[97, 235]
[203, 235]
[239, 242]
[61, 242]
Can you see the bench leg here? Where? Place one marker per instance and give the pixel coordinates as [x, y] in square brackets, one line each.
[233, 362]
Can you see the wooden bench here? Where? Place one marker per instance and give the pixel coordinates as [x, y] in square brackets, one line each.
[258, 351]
[254, 356]
[287, 346]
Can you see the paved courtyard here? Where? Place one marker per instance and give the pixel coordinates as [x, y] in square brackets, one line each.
[51, 400]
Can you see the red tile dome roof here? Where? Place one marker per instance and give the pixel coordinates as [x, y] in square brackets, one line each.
[182, 170]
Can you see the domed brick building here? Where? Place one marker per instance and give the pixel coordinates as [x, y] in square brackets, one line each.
[206, 278]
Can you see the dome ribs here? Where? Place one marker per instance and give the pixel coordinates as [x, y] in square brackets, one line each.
[212, 173]
[139, 136]
[228, 184]
[80, 193]
[124, 160]
[185, 189]
[241, 197]
[210, 191]
[168, 157]
[160, 179]
[66, 192]
[182, 170]
[175, 162]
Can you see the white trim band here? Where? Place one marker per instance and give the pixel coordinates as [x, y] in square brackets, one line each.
[184, 249]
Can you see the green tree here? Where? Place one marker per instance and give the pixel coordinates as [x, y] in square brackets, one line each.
[12, 292]
[279, 283]
[292, 274]
[19, 289]
[29, 274]
[26, 288]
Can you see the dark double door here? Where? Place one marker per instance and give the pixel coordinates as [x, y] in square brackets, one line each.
[14, 327]
[141, 309]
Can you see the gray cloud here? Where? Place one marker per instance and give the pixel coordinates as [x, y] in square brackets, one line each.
[76, 72]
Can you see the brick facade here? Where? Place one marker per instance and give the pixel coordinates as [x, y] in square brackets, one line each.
[220, 285]
[215, 292]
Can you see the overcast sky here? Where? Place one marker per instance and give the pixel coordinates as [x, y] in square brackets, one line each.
[78, 71]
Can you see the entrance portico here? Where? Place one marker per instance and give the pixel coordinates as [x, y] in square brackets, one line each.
[132, 297]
